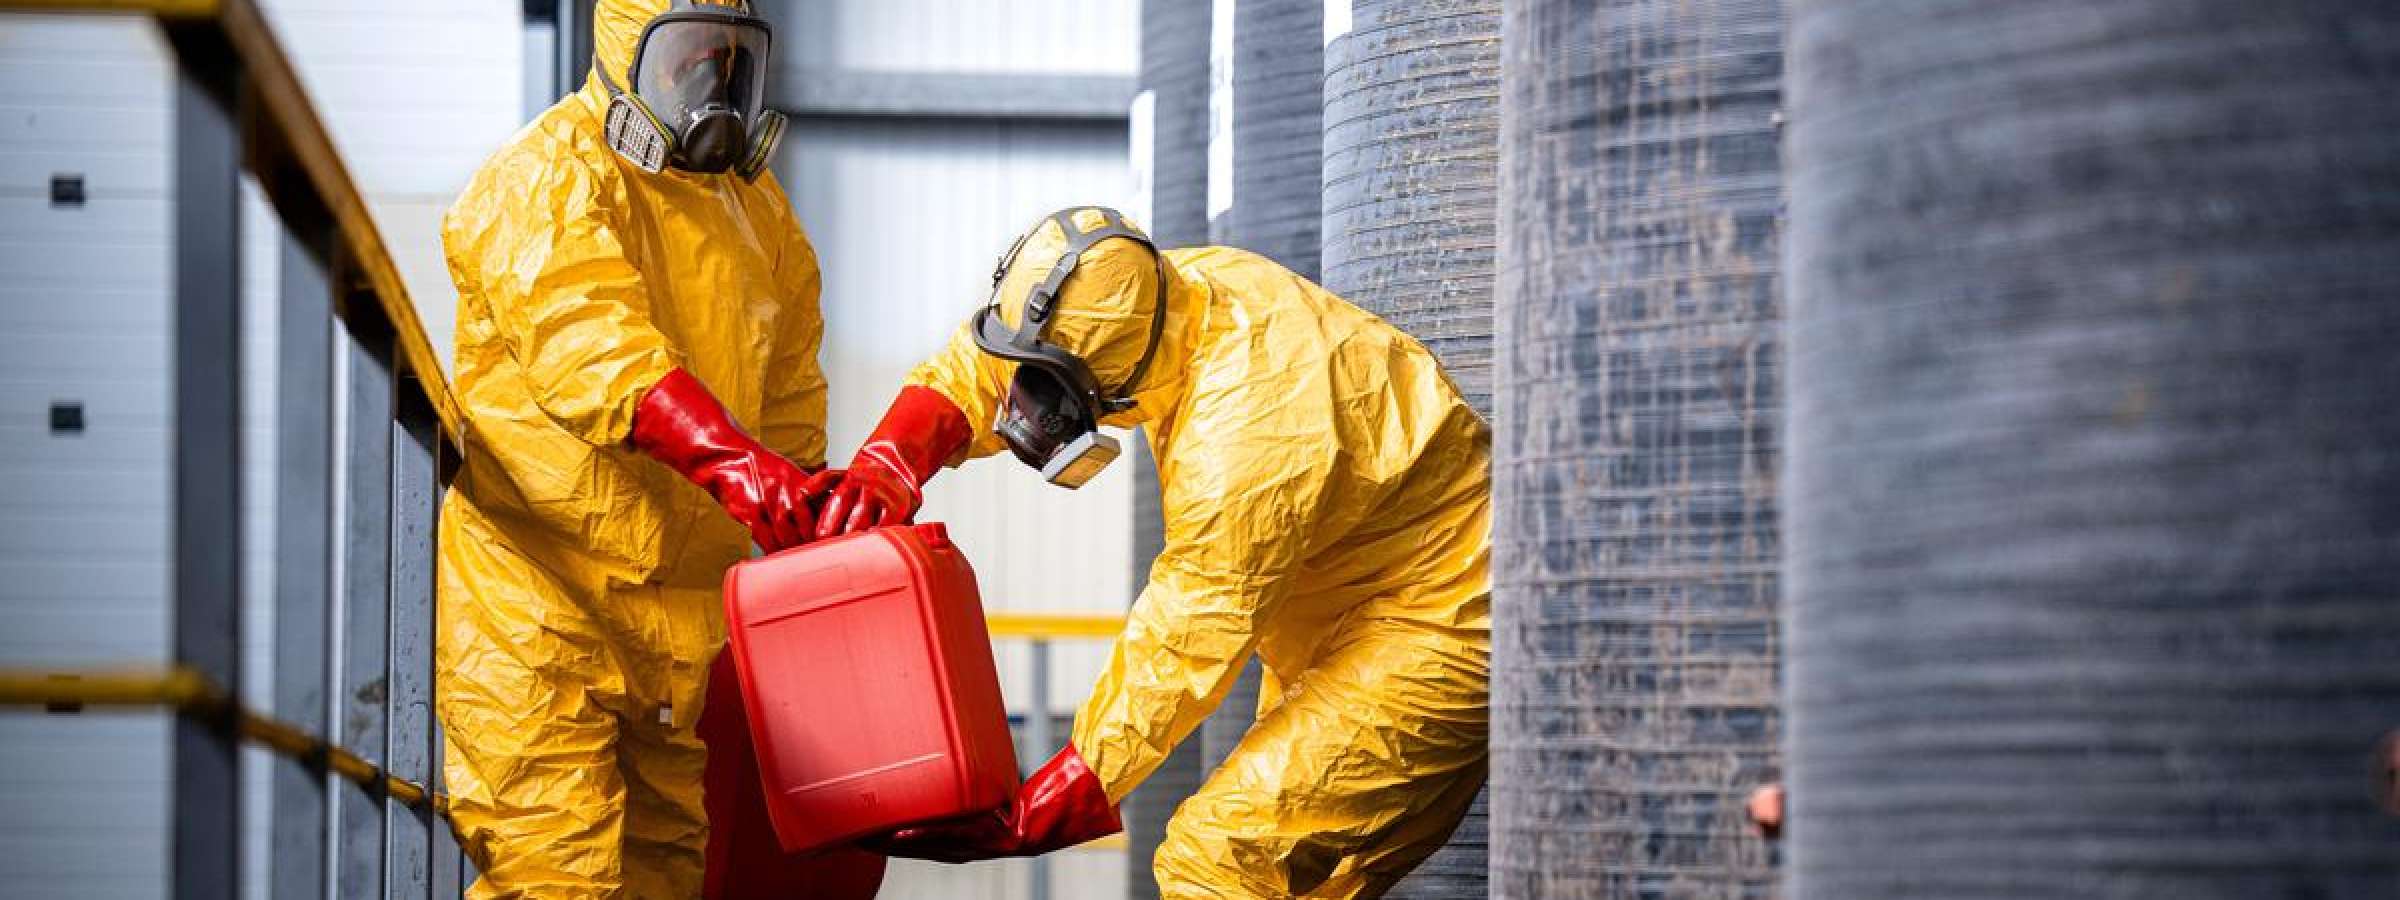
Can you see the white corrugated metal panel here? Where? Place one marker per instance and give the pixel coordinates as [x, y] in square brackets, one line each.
[416, 95]
[1074, 37]
[83, 528]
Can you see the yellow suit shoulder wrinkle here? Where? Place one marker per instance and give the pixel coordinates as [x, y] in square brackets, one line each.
[1327, 504]
[578, 588]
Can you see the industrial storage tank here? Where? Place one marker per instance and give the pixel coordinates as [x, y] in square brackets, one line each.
[1169, 128]
[1412, 163]
[1266, 102]
[1411, 173]
[1265, 139]
[1635, 454]
[2094, 494]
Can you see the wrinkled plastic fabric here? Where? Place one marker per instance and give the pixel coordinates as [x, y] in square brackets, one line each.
[1327, 506]
[579, 580]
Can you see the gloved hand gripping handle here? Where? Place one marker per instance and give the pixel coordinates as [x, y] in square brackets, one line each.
[681, 425]
[885, 481]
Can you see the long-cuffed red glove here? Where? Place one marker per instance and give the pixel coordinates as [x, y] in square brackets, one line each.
[1060, 806]
[885, 482]
[680, 424]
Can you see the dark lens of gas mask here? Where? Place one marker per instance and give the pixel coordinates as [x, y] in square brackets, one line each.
[1041, 415]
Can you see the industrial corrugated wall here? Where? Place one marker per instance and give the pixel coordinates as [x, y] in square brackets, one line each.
[83, 513]
[1266, 108]
[1635, 454]
[1170, 158]
[1411, 174]
[2095, 503]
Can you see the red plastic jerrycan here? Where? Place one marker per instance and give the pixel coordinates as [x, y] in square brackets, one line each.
[868, 677]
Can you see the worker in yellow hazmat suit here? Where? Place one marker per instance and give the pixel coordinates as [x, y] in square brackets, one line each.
[1327, 504]
[632, 285]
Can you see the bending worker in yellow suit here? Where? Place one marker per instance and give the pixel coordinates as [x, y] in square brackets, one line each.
[1327, 502]
[631, 285]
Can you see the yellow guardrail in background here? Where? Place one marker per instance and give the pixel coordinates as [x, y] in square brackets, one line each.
[1039, 626]
[189, 693]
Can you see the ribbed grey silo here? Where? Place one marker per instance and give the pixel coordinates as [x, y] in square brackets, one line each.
[2095, 469]
[1268, 78]
[1174, 71]
[1636, 449]
[1266, 103]
[1174, 75]
[1412, 153]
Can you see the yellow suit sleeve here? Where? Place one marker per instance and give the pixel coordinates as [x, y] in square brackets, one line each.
[793, 420]
[974, 381]
[1248, 492]
[570, 308]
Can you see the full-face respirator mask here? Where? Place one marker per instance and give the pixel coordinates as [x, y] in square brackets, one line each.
[1051, 416]
[697, 96]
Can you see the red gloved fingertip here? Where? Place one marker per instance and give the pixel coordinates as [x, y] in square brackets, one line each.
[837, 508]
[864, 516]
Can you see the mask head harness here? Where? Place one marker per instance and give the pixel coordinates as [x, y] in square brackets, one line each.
[698, 94]
[1051, 418]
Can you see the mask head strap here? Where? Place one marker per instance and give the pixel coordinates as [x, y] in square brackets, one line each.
[1041, 302]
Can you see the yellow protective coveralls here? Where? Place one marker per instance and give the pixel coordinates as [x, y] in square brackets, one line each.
[1327, 503]
[579, 580]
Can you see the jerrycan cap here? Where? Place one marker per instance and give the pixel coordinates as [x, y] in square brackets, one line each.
[935, 535]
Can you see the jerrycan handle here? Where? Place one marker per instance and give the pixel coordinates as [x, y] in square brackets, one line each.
[936, 536]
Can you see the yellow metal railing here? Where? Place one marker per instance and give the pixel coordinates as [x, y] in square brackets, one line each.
[1035, 626]
[189, 693]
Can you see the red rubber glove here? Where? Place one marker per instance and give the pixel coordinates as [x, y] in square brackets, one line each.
[684, 427]
[1060, 806]
[885, 481]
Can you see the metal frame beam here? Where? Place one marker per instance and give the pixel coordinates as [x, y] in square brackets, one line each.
[302, 823]
[366, 595]
[815, 92]
[410, 752]
[208, 466]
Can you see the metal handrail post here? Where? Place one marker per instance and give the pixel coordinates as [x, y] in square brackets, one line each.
[410, 753]
[366, 597]
[208, 467]
[1037, 734]
[302, 822]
